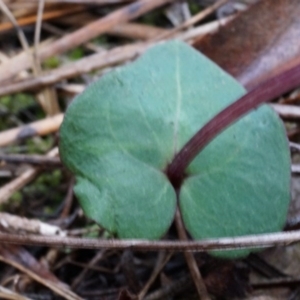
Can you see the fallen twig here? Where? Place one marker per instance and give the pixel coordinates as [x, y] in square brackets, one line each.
[228, 243]
[20, 224]
[46, 16]
[40, 128]
[287, 111]
[198, 17]
[6, 256]
[82, 35]
[8, 294]
[33, 159]
[191, 261]
[99, 61]
[84, 65]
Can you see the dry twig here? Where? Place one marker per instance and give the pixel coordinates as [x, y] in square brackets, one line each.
[28, 20]
[39, 160]
[17, 224]
[82, 35]
[195, 19]
[47, 97]
[162, 260]
[190, 260]
[287, 111]
[99, 60]
[38, 128]
[259, 241]
[57, 287]
[84, 65]
[8, 294]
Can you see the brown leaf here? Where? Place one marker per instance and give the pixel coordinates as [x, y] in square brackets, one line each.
[256, 42]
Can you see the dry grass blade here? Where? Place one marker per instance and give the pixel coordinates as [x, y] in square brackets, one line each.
[287, 111]
[162, 260]
[46, 17]
[56, 286]
[296, 168]
[84, 65]
[47, 97]
[14, 23]
[136, 31]
[8, 294]
[101, 60]
[99, 256]
[98, 2]
[82, 35]
[97, 267]
[197, 18]
[190, 260]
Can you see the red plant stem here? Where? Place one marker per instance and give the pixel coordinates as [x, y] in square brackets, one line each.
[265, 92]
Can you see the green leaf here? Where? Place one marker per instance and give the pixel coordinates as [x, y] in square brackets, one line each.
[239, 184]
[127, 196]
[121, 133]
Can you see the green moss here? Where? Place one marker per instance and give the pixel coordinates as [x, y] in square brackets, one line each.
[16, 102]
[40, 147]
[76, 53]
[16, 198]
[11, 106]
[51, 63]
[155, 18]
[101, 40]
[92, 231]
[48, 180]
[47, 185]
[194, 7]
[14, 203]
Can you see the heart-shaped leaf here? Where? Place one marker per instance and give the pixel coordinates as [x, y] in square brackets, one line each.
[119, 136]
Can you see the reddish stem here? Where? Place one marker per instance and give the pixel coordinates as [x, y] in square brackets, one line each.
[265, 92]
